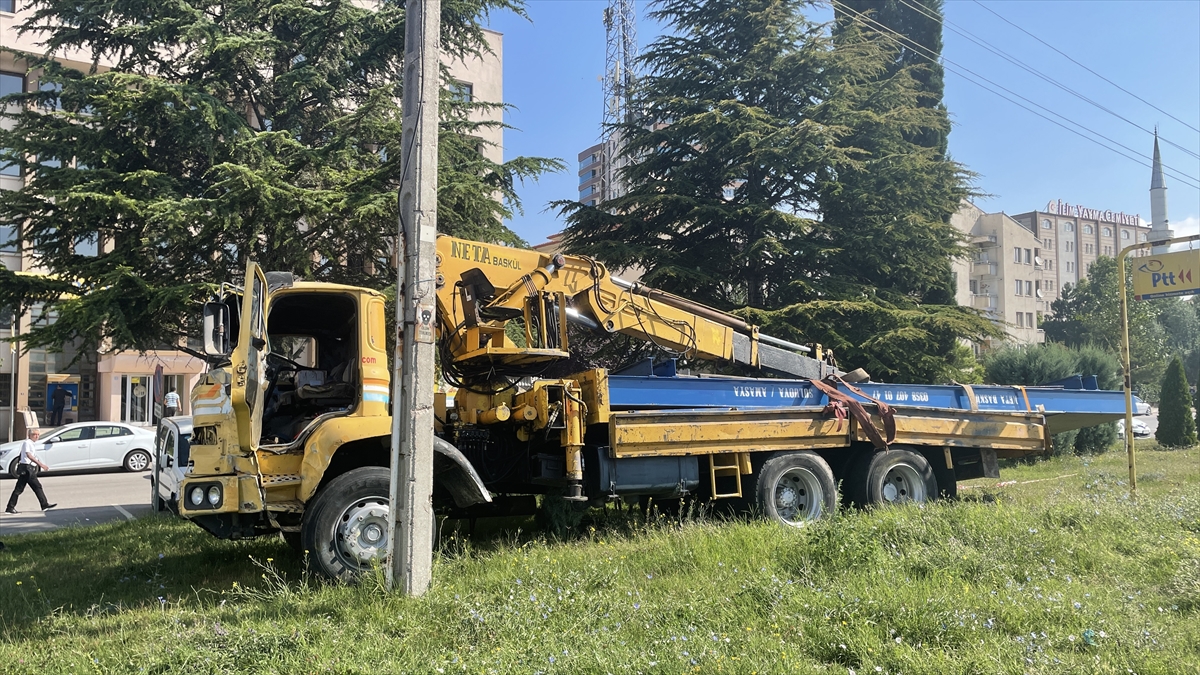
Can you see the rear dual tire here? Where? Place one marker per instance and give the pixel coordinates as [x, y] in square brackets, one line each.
[793, 488]
[894, 476]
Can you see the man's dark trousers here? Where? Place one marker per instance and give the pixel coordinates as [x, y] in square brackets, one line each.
[27, 475]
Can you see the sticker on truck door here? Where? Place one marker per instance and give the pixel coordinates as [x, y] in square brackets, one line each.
[249, 360]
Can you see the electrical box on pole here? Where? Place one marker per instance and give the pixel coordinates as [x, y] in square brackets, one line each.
[410, 536]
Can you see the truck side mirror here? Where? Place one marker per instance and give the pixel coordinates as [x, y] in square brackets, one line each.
[216, 329]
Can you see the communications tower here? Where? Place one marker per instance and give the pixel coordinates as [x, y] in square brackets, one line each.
[620, 72]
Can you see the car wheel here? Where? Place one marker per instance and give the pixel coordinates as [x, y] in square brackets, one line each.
[12, 467]
[138, 460]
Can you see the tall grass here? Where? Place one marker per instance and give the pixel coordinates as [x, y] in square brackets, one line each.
[1061, 572]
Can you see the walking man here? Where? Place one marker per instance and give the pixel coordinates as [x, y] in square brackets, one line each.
[27, 474]
[171, 402]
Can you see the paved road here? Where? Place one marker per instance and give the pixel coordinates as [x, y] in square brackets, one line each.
[83, 498]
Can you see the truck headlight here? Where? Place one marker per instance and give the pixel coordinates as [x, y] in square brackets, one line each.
[214, 495]
[196, 496]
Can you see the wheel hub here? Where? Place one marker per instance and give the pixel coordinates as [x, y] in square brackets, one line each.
[362, 531]
[798, 497]
[902, 484]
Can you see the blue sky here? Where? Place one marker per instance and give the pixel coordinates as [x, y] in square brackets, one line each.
[553, 63]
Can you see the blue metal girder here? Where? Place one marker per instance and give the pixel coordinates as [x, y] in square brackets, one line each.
[628, 392]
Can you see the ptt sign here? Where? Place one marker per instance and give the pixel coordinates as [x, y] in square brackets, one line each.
[1167, 275]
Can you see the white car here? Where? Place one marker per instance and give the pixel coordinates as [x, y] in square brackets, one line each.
[1140, 430]
[87, 445]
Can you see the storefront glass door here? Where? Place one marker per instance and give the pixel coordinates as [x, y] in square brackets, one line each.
[136, 395]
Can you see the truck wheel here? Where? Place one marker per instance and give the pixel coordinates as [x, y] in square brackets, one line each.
[345, 527]
[796, 487]
[893, 476]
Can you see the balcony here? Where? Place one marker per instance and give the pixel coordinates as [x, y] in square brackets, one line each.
[983, 300]
[984, 268]
[984, 240]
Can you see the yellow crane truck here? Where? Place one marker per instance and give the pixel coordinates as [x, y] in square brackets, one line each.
[291, 425]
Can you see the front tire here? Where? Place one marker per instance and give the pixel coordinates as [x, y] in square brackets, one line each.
[12, 467]
[796, 487]
[895, 476]
[345, 528]
[138, 460]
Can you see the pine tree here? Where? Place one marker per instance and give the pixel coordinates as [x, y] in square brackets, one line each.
[723, 178]
[225, 131]
[1176, 424]
[763, 119]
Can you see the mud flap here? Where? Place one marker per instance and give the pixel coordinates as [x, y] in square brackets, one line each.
[452, 471]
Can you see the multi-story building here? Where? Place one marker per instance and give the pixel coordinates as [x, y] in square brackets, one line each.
[123, 386]
[1019, 264]
[1073, 237]
[1006, 277]
[593, 165]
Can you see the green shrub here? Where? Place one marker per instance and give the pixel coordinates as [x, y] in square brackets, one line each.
[1176, 426]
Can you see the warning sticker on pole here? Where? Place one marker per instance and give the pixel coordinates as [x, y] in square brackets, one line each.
[424, 320]
[1166, 276]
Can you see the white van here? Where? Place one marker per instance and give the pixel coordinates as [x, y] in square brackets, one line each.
[171, 450]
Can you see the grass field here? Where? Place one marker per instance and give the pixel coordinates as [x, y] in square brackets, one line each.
[1060, 572]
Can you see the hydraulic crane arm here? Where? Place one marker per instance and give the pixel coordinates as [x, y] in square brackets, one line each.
[481, 287]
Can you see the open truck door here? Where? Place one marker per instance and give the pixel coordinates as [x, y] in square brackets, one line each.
[249, 360]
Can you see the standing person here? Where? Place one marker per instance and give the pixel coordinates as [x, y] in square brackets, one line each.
[27, 474]
[59, 399]
[171, 401]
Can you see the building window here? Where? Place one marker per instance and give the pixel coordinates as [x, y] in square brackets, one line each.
[8, 239]
[590, 202]
[1068, 227]
[1020, 320]
[10, 83]
[1142, 237]
[1046, 225]
[1125, 235]
[1049, 264]
[587, 190]
[1049, 286]
[1070, 247]
[1048, 242]
[1018, 287]
[1029, 320]
[1087, 229]
[462, 91]
[1070, 266]
[586, 176]
[1028, 288]
[5, 378]
[974, 286]
[1028, 257]
[1017, 255]
[1108, 231]
[90, 246]
[587, 161]
[9, 6]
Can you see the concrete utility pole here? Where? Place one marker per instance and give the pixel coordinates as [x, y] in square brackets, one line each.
[410, 540]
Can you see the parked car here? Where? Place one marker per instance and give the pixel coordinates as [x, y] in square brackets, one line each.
[87, 445]
[1140, 430]
[170, 462]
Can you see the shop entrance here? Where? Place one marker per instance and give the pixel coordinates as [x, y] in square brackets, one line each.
[137, 391]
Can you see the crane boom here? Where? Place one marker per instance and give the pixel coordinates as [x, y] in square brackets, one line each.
[481, 288]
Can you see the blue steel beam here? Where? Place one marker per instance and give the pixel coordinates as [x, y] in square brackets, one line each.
[1080, 407]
